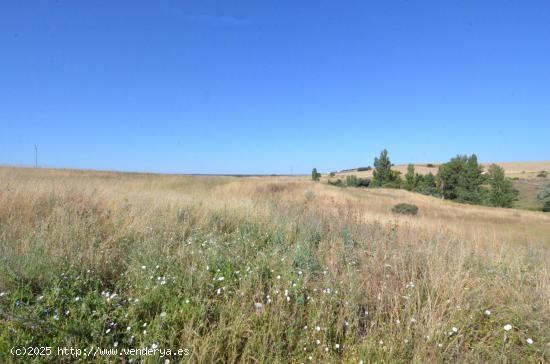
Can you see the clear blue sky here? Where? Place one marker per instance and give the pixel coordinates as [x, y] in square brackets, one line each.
[272, 86]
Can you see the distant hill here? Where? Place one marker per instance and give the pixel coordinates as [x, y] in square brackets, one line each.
[513, 169]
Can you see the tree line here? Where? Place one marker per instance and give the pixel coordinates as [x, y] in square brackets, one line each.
[461, 179]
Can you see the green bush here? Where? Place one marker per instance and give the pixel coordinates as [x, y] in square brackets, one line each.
[360, 169]
[337, 182]
[542, 174]
[332, 174]
[405, 209]
[354, 181]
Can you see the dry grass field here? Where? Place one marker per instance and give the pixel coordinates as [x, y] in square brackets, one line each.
[267, 269]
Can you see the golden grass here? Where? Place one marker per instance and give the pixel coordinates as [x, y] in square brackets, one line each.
[439, 249]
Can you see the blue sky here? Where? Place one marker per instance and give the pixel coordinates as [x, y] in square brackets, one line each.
[272, 86]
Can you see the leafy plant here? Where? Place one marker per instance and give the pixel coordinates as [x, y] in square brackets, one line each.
[405, 209]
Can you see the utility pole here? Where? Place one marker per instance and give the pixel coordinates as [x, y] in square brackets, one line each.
[35, 156]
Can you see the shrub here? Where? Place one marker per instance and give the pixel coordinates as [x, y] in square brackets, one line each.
[360, 169]
[430, 165]
[542, 174]
[337, 182]
[332, 174]
[354, 181]
[405, 209]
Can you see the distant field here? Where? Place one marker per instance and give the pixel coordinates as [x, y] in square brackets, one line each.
[266, 269]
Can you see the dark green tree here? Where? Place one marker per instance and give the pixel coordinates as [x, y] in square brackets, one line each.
[502, 192]
[315, 175]
[461, 179]
[410, 178]
[382, 174]
[544, 197]
[426, 184]
[469, 187]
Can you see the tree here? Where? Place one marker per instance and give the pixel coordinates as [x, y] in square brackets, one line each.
[502, 192]
[382, 174]
[469, 188]
[461, 179]
[426, 185]
[315, 175]
[544, 197]
[410, 178]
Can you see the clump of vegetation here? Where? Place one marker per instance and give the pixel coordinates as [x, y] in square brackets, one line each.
[544, 197]
[382, 175]
[425, 184]
[502, 192]
[461, 179]
[430, 165]
[542, 174]
[315, 176]
[332, 174]
[405, 209]
[354, 181]
[338, 182]
[361, 169]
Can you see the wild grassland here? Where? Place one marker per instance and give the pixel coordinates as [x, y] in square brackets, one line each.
[266, 269]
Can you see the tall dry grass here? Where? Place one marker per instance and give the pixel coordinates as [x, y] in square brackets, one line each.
[266, 269]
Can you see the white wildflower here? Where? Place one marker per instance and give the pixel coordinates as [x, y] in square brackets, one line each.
[507, 327]
[529, 341]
